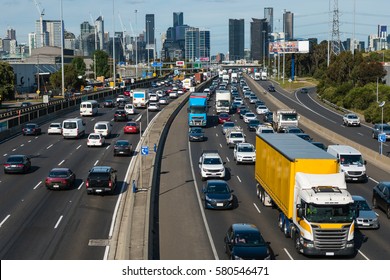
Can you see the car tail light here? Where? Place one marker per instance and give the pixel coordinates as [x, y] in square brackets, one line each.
[110, 183]
[7, 165]
[20, 165]
[87, 183]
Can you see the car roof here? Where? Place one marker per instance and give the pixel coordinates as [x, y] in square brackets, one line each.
[60, 169]
[101, 169]
[358, 198]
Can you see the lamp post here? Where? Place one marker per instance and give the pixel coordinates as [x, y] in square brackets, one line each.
[147, 42]
[136, 46]
[263, 48]
[62, 55]
[113, 43]
[381, 143]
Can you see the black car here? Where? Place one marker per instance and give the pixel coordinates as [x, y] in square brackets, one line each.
[381, 197]
[245, 242]
[17, 164]
[304, 136]
[121, 104]
[253, 124]
[196, 134]
[320, 145]
[243, 112]
[123, 147]
[120, 115]
[101, 179]
[259, 102]
[108, 103]
[271, 88]
[304, 90]
[218, 195]
[25, 104]
[268, 117]
[31, 129]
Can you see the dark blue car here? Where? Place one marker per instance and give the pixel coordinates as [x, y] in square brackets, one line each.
[218, 195]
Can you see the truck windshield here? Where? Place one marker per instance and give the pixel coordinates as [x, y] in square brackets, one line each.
[351, 159]
[197, 109]
[223, 103]
[329, 213]
[289, 117]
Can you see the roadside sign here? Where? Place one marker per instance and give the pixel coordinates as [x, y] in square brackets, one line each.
[157, 64]
[144, 150]
[382, 137]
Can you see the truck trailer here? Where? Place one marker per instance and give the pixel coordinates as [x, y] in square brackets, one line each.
[223, 100]
[302, 181]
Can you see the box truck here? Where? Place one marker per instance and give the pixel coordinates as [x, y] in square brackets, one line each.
[302, 181]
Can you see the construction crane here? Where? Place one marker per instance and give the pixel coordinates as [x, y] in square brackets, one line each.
[41, 13]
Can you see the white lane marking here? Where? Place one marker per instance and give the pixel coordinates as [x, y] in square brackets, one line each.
[139, 118]
[78, 147]
[61, 162]
[96, 163]
[372, 179]
[5, 219]
[5, 155]
[22, 145]
[108, 147]
[220, 145]
[36, 137]
[29, 141]
[216, 134]
[227, 159]
[82, 183]
[361, 134]
[37, 185]
[58, 222]
[49, 147]
[238, 178]
[92, 119]
[288, 254]
[364, 256]
[14, 150]
[257, 208]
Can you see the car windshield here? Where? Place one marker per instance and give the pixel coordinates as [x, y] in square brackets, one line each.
[361, 205]
[212, 161]
[218, 188]
[248, 239]
[122, 143]
[351, 159]
[56, 125]
[245, 149]
[329, 213]
[15, 159]
[250, 115]
[30, 125]
[100, 126]
[227, 124]
[94, 136]
[131, 124]
[69, 125]
[99, 176]
[289, 117]
[254, 122]
[236, 135]
[352, 117]
[196, 130]
[58, 174]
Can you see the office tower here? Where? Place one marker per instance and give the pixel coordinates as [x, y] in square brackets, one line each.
[99, 25]
[191, 40]
[87, 38]
[259, 39]
[177, 19]
[11, 34]
[32, 41]
[269, 16]
[51, 30]
[149, 35]
[288, 25]
[204, 44]
[236, 39]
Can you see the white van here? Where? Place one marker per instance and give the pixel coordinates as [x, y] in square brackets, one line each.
[73, 128]
[103, 127]
[350, 162]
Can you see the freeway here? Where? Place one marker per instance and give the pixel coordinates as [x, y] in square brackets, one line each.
[182, 233]
[36, 223]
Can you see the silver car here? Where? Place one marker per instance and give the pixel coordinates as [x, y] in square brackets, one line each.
[365, 217]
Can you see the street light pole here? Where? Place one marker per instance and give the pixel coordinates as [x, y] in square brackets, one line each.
[263, 48]
[381, 143]
[136, 46]
[62, 55]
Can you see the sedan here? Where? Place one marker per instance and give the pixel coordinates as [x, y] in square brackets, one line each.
[31, 129]
[304, 136]
[60, 178]
[238, 99]
[54, 128]
[261, 109]
[223, 117]
[17, 164]
[249, 116]
[253, 99]
[131, 127]
[253, 124]
[271, 88]
[95, 139]
[381, 128]
[226, 126]
[153, 106]
[163, 100]
[120, 115]
[108, 103]
[381, 197]
[218, 195]
[245, 242]
[196, 134]
[365, 217]
[123, 147]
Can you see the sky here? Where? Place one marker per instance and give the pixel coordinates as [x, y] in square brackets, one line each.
[311, 17]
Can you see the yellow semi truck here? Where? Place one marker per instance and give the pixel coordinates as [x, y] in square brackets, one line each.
[302, 181]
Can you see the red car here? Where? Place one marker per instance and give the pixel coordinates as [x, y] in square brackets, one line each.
[131, 127]
[60, 178]
[127, 93]
[223, 117]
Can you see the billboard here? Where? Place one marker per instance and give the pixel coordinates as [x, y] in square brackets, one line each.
[180, 63]
[289, 47]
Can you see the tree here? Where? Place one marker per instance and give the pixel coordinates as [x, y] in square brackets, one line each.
[7, 86]
[79, 65]
[102, 65]
[71, 80]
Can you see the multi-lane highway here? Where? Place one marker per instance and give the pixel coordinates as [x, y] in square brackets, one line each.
[40, 224]
[185, 224]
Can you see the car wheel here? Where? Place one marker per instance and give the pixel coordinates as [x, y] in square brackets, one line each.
[373, 135]
[374, 203]
[388, 212]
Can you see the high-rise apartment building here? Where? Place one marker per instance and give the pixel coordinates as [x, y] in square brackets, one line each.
[149, 35]
[51, 33]
[99, 25]
[197, 44]
[32, 42]
[288, 25]
[177, 19]
[236, 39]
[11, 34]
[259, 39]
[269, 16]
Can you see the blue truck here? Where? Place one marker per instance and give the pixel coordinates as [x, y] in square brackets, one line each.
[197, 109]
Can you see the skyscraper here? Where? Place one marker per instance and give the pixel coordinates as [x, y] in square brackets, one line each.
[197, 44]
[99, 25]
[11, 34]
[51, 33]
[288, 25]
[236, 39]
[259, 39]
[149, 36]
[269, 16]
[177, 19]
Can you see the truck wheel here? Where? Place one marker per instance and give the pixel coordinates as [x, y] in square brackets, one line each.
[286, 230]
[296, 242]
[258, 191]
[280, 223]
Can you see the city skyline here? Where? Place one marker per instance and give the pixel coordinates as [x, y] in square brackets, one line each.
[310, 20]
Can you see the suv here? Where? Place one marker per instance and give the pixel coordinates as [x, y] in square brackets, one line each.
[234, 135]
[101, 179]
[351, 120]
[211, 165]
[378, 128]
[244, 153]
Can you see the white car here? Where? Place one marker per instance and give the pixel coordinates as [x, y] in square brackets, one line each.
[153, 97]
[95, 140]
[238, 99]
[54, 128]
[351, 120]
[160, 93]
[163, 100]
[173, 94]
[261, 109]
[244, 153]
[129, 108]
[249, 116]
[153, 106]
[211, 165]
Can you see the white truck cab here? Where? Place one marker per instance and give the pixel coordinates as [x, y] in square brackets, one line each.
[350, 162]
